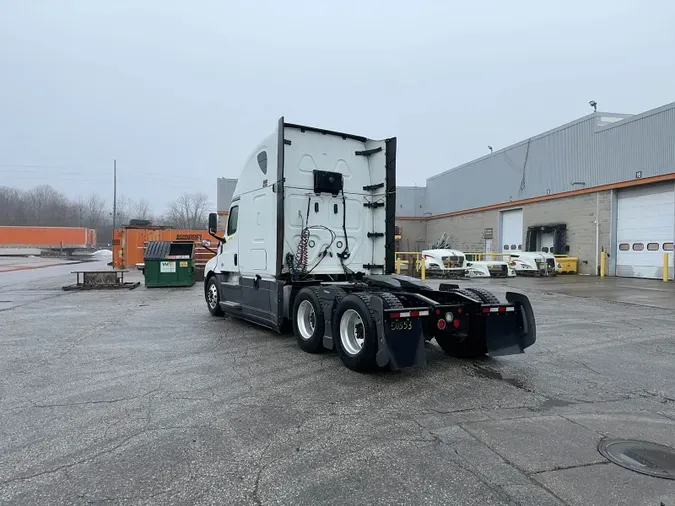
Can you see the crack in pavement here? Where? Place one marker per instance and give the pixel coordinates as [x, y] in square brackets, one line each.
[495, 488]
[514, 465]
[255, 493]
[663, 399]
[85, 460]
[146, 429]
[100, 401]
[564, 468]
[603, 434]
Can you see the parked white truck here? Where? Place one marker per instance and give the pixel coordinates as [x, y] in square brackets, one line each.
[310, 241]
[449, 262]
[534, 263]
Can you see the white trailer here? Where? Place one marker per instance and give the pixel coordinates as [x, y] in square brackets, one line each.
[310, 242]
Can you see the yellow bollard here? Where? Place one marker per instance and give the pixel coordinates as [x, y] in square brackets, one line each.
[602, 264]
[398, 264]
[665, 267]
[423, 266]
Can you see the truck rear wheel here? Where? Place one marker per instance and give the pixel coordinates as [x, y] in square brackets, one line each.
[308, 321]
[354, 333]
[485, 296]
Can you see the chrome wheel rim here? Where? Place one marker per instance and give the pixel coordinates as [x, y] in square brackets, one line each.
[352, 332]
[306, 320]
[212, 296]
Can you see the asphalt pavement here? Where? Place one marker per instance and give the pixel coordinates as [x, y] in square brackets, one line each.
[141, 397]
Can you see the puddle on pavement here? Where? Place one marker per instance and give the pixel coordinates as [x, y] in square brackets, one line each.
[490, 374]
[549, 403]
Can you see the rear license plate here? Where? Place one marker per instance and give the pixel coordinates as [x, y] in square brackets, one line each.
[400, 325]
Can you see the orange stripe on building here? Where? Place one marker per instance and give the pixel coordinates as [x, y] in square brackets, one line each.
[543, 198]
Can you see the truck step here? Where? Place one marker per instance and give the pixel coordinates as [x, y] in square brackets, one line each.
[373, 266]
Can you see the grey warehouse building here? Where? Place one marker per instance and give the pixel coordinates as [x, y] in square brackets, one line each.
[602, 183]
[605, 182]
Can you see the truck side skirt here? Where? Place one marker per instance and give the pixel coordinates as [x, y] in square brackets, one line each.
[254, 299]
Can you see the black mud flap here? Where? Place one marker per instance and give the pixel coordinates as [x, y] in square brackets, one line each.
[398, 349]
[510, 333]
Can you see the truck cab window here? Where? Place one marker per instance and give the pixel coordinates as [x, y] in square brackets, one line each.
[232, 221]
[262, 161]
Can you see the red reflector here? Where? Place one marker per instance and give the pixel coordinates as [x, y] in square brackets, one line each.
[440, 324]
[486, 310]
[502, 309]
[394, 315]
[417, 313]
[459, 310]
[456, 323]
[438, 311]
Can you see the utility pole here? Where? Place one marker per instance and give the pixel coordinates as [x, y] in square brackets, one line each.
[114, 193]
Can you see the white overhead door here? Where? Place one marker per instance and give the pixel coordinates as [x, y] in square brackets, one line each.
[644, 230]
[512, 230]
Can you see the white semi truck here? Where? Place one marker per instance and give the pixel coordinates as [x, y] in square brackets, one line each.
[445, 262]
[310, 242]
[534, 263]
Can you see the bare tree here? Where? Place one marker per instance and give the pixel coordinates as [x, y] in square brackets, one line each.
[189, 211]
[95, 211]
[47, 206]
[141, 210]
[80, 211]
[124, 205]
[12, 206]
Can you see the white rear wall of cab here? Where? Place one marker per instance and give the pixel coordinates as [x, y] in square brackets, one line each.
[309, 150]
[644, 231]
[511, 226]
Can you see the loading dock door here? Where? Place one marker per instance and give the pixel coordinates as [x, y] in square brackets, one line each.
[511, 230]
[644, 230]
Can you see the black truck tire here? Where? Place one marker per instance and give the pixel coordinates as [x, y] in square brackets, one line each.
[308, 320]
[355, 334]
[212, 296]
[485, 296]
[390, 300]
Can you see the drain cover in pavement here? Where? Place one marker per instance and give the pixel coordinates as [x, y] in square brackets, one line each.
[640, 456]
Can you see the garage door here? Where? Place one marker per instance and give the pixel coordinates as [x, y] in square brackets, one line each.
[644, 231]
[512, 230]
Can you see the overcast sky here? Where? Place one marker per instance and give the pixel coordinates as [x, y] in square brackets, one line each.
[180, 92]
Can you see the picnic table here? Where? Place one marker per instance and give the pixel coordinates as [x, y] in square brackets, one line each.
[97, 279]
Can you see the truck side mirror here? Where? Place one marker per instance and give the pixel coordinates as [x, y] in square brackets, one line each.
[213, 222]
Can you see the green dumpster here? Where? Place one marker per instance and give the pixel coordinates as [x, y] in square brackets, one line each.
[169, 263]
